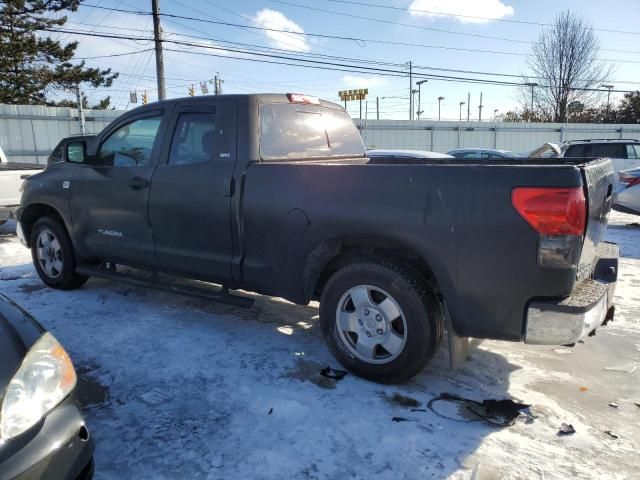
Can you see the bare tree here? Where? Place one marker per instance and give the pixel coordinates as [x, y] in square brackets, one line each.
[565, 66]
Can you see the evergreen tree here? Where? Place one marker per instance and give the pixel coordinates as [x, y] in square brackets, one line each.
[34, 66]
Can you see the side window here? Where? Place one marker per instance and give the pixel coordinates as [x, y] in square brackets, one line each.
[575, 151]
[612, 150]
[194, 140]
[131, 144]
[632, 152]
[471, 155]
[637, 151]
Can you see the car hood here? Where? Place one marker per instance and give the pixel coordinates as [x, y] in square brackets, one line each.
[18, 332]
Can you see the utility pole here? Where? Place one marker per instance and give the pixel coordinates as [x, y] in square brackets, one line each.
[439, 100]
[419, 83]
[480, 109]
[157, 37]
[377, 108]
[533, 86]
[410, 91]
[495, 112]
[461, 104]
[80, 109]
[468, 105]
[608, 87]
[360, 108]
[217, 84]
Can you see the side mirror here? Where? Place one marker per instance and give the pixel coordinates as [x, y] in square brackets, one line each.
[76, 151]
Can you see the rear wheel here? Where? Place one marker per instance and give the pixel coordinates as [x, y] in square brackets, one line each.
[53, 255]
[381, 320]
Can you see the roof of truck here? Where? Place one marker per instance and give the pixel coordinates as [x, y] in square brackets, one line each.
[260, 98]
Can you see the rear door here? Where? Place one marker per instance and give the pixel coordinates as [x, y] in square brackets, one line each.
[109, 197]
[633, 156]
[191, 191]
[617, 152]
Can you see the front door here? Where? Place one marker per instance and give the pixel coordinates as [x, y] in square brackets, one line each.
[109, 196]
[191, 190]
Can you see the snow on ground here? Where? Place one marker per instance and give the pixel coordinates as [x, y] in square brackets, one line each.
[184, 388]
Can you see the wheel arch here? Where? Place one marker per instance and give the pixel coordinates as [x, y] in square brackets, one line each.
[34, 212]
[330, 255]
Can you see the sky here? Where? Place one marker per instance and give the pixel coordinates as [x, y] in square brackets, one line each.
[441, 46]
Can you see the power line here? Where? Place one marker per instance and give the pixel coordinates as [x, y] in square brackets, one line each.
[356, 39]
[360, 60]
[422, 27]
[505, 20]
[304, 62]
[133, 52]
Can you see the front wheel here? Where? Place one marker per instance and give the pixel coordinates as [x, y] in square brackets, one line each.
[53, 255]
[381, 320]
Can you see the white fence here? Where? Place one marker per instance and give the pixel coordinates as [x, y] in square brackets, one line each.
[29, 133]
[517, 137]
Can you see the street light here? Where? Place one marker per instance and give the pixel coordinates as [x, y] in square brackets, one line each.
[413, 105]
[419, 83]
[439, 100]
[608, 87]
[461, 104]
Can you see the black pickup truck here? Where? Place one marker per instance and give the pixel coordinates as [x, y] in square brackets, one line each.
[275, 194]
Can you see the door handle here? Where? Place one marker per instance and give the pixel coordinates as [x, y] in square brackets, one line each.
[137, 183]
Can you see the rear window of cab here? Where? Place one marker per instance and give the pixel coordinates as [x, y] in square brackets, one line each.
[301, 131]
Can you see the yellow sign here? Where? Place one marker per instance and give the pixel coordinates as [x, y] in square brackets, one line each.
[357, 94]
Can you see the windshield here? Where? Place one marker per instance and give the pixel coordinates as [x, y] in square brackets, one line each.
[289, 130]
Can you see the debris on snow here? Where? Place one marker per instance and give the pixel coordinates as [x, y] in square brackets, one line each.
[333, 374]
[614, 405]
[402, 400]
[566, 429]
[400, 419]
[505, 412]
[498, 412]
[611, 434]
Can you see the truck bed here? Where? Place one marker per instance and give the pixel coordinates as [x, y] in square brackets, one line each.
[454, 214]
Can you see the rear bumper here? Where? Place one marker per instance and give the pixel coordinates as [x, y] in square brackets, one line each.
[565, 321]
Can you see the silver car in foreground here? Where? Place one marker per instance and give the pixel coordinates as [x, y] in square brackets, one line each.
[627, 194]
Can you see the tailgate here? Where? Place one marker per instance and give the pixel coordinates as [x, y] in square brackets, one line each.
[599, 180]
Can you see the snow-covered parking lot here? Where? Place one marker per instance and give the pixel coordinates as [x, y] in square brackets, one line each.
[182, 388]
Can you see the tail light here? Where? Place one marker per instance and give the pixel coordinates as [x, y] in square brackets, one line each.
[552, 211]
[302, 98]
[629, 180]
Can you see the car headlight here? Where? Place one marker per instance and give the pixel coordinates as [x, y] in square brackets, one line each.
[44, 379]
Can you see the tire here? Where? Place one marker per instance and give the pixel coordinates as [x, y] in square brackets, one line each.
[406, 336]
[53, 255]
